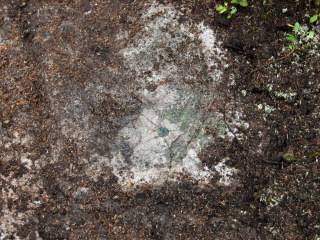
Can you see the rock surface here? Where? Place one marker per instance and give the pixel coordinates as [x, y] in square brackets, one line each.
[154, 120]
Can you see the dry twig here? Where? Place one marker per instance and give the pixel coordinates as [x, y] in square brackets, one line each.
[276, 60]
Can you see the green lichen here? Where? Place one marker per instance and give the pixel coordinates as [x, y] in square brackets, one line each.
[253, 206]
[315, 155]
[288, 157]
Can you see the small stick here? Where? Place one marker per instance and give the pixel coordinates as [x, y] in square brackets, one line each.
[276, 60]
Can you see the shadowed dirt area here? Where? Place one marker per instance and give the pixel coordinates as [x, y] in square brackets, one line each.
[131, 119]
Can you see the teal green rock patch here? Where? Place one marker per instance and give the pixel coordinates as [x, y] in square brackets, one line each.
[163, 132]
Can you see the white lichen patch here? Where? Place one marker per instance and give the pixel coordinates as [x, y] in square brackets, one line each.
[225, 172]
[285, 95]
[141, 154]
[171, 52]
[10, 217]
[267, 108]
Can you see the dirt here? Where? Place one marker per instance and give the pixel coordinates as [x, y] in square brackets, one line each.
[66, 94]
